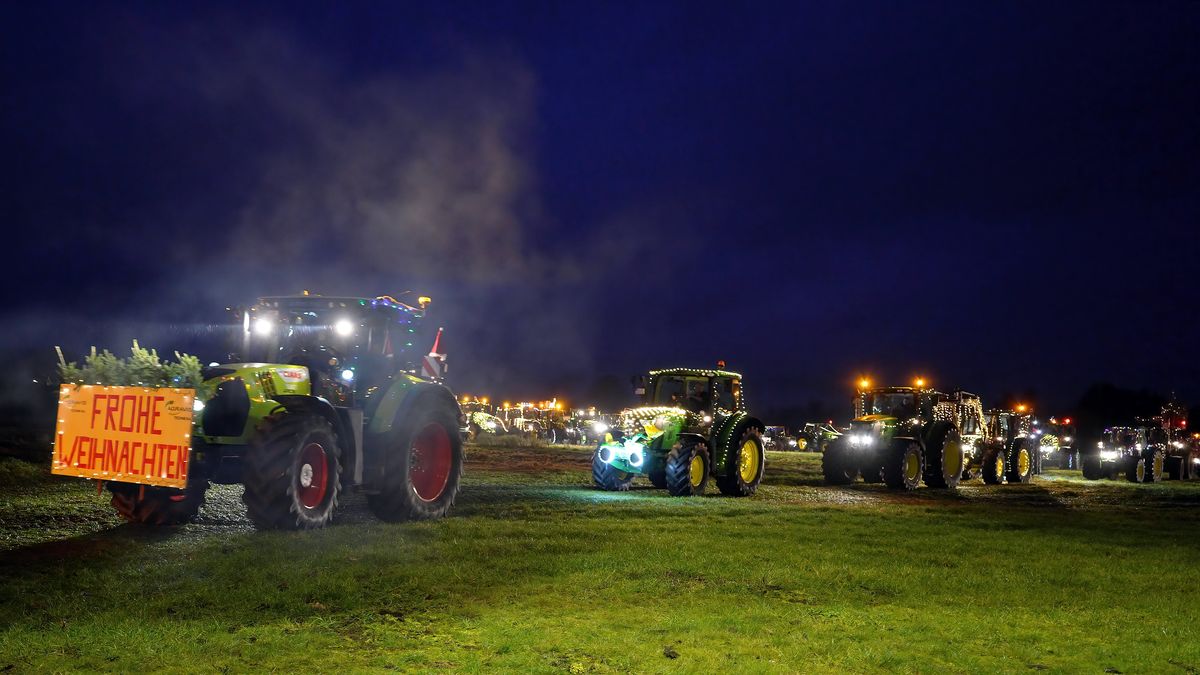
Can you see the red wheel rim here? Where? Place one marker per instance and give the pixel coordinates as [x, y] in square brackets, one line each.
[429, 462]
[313, 476]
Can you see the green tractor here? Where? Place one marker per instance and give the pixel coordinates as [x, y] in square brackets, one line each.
[903, 436]
[693, 427]
[326, 397]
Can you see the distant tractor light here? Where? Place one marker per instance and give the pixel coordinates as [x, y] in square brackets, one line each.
[197, 405]
[490, 424]
[348, 375]
[864, 383]
[263, 326]
[1177, 444]
[862, 440]
[791, 442]
[599, 427]
[1109, 455]
[1066, 439]
[214, 364]
[343, 327]
[707, 419]
[920, 382]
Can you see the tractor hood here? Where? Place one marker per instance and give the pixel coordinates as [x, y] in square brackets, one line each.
[652, 420]
[273, 379]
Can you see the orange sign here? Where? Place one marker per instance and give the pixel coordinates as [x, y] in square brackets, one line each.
[128, 434]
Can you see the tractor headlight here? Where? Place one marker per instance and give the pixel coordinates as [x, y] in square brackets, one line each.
[343, 327]
[636, 458]
[1109, 455]
[862, 440]
[1066, 439]
[490, 424]
[348, 375]
[197, 405]
[599, 427]
[263, 326]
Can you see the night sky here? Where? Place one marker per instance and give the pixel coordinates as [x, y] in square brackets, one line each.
[1002, 197]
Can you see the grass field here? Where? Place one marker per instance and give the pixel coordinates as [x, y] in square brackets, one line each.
[537, 572]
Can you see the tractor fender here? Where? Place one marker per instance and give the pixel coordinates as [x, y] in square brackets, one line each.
[931, 430]
[347, 425]
[387, 422]
[725, 434]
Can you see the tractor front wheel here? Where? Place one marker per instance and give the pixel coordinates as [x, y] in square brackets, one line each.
[836, 465]
[994, 466]
[423, 467]
[1092, 466]
[292, 472]
[1020, 461]
[904, 465]
[149, 505]
[688, 468]
[744, 466]
[608, 477]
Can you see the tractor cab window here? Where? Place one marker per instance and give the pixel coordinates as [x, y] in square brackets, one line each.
[725, 390]
[898, 404]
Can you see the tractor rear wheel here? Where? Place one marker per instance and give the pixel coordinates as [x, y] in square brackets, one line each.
[688, 468]
[744, 466]
[292, 472]
[150, 505]
[658, 477]
[994, 465]
[1146, 469]
[944, 457]
[1093, 468]
[836, 465]
[608, 477]
[422, 468]
[1020, 461]
[904, 465]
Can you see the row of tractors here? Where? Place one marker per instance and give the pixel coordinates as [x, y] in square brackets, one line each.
[908, 436]
[328, 394]
[549, 421]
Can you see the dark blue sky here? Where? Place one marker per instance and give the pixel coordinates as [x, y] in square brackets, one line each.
[1000, 196]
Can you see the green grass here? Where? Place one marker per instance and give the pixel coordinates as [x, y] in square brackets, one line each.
[537, 572]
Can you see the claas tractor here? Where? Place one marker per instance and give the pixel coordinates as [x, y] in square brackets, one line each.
[903, 436]
[1157, 448]
[325, 397]
[692, 428]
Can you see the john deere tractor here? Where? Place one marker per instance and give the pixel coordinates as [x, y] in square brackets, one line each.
[692, 428]
[325, 398]
[1156, 449]
[903, 436]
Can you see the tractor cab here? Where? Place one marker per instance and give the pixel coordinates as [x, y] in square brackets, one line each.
[352, 347]
[699, 392]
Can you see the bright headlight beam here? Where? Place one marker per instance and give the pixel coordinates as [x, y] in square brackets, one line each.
[343, 327]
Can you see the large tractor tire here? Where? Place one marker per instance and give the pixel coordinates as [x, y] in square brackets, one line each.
[744, 466]
[292, 472]
[943, 456]
[1188, 471]
[1092, 466]
[837, 465]
[1021, 458]
[904, 465]
[422, 470]
[688, 469]
[149, 505]
[1146, 469]
[995, 465]
[608, 477]
[872, 470]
